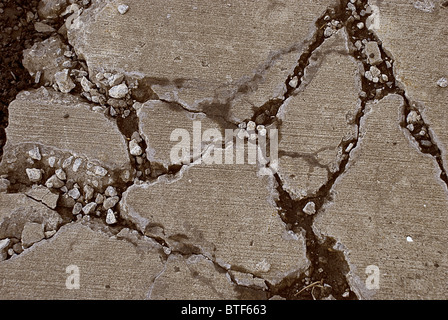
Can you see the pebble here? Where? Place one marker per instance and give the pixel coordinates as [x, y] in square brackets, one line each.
[88, 192]
[413, 117]
[86, 84]
[64, 81]
[99, 171]
[442, 82]
[77, 164]
[116, 79]
[310, 208]
[119, 91]
[328, 32]
[110, 217]
[49, 234]
[360, 25]
[54, 182]
[294, 82]
[110, 191]
[77, 208]
[136, 136]
[99, 198]
[110, 202]
[122, 8]
[74, 193]
[34, 175]
[89, 208]
[67, 162]
[61, 174]
[35, 153]
[32, 233]
[373, 53]
[51, 161]
[134, 148]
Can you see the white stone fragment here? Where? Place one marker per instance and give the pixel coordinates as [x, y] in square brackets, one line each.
[34, 175]
[110, 191]
[67, 162]
[61, 174]
[35, 153]
[64, 82]
[89, 208]
[74, 193]
[77, 164]
[51, 161]
[122, 8]
[119, 91]
[99, 171]
[110, 217]
[310, 208]
[442, 82]
[134, 148]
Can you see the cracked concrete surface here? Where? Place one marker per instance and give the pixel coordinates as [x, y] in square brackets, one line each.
[92, 205]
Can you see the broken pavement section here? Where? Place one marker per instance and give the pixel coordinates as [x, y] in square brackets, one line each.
[415, 33]
[194, 51]
[315, 121]
[64, 122]
[108, 268]
[389, 211]
[224, 212]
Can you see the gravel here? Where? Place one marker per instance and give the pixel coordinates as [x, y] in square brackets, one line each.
[35, 153]
[34, 175]
[64, 82]
[110, 217]
[119, 91]
[134, 148]
[122, 8]
[442, 82]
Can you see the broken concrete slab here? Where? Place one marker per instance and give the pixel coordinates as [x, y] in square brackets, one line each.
[44, 59]
[199, 277]
[32, 232]
[107, 268]
[317, 119]
[416, 39]
[44, 195]
[18, 209]
[390, 192]
[225, 212]
[35, 116]
[158, 121]
[208, 58]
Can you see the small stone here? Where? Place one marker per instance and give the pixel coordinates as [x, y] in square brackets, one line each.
[251, 126]
[89, 208]
[426, 143]
[17, 247]
[4, 244]
[51, 161]
[110, 191]
[116, 79]
[32, 233]
[64, 81]
[99, 198]
[294, 82]
[54, 182]
[35, 153]
[375, 71]
[77, 208]
[112, 112]
[99, 76]
[442, 82]
[346, 294]
[110, 202]
[34, 175]
[77, 164]
[74, 193]
[88, 192]
[373, 53]
[134, 148]
[49, 234]
[310, 208]
[99, 171]
[360, 25]
[368, 75]
[384, 78]
[119, 91]
[413, 117]
[328, 32]
[86, 84]
[42, 27]
[122, 8]
[67, 162]
[110, 217]
[409, 239]
[61, 174]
